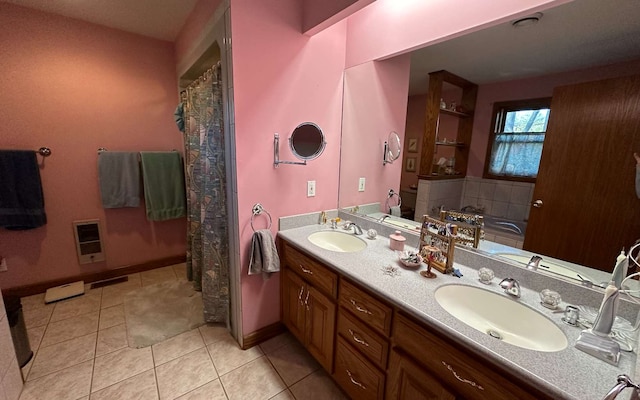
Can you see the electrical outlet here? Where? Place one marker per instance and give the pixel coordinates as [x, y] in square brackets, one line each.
[3, 264]
[311, 188]
[361, 185]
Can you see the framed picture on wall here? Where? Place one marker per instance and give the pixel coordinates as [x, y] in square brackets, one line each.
[410, 164]
[413, 146]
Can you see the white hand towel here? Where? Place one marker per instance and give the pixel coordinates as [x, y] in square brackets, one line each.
[395, 211]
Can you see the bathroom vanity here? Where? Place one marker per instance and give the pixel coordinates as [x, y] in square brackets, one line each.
[377, 328]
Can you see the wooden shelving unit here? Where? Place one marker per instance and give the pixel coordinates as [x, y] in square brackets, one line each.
[434, 113]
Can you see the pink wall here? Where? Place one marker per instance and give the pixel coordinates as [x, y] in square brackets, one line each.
[375, 103]
[529, 88]
[389, 27]
[281, 79]
[75, 87]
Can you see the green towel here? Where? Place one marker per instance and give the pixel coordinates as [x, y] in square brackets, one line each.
[163, 177]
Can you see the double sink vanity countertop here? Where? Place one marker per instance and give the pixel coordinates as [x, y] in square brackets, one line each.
[566, 374]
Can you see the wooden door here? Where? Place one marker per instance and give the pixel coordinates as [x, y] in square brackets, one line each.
[293, 311]
[587, 172]
[320, 328]
[408, 381]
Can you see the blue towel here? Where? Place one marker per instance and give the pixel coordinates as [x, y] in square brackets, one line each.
[164, 193]
[21, 197]
[119, 177]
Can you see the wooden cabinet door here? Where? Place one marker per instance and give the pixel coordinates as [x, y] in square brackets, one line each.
[293, 311]
[320, 327]
[587, 172]
[408, 381]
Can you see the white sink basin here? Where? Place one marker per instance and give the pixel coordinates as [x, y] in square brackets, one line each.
[337, 241]
[501, 317]
[547, 266]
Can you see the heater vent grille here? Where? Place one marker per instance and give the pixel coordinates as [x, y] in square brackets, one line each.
[88, 241]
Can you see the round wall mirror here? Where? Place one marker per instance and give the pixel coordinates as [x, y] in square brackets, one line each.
[307, 141]
[392, 148]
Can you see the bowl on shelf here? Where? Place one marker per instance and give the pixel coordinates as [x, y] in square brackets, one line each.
[409, 259]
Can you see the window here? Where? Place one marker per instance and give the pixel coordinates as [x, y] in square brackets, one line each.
[515, 145]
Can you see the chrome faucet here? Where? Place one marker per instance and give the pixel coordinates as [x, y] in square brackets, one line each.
[356, 229]
[534, 263]
[381, 219]
[623, 383]
[511, 287]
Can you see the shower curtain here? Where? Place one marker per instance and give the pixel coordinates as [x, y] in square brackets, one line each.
[207, 235]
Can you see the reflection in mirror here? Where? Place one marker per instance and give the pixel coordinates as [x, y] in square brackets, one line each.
[392, 148]
[306, 143]
[528, 63]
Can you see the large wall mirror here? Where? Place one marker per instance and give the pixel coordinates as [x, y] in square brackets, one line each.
[597, 39]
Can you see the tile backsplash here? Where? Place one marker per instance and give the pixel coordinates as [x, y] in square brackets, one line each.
[504, 199]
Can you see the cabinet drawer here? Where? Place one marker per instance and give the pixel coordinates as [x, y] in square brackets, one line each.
[359, 378]
[366, 307]
[364, 339]
[458, 370]
[312, 271]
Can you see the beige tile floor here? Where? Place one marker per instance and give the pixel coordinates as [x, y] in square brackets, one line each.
[81, 352]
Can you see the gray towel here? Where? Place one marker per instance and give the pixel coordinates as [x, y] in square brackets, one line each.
[395, 211]
[264, 255]
[119, 176]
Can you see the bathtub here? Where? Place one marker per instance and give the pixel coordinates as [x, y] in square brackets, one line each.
[504, 231]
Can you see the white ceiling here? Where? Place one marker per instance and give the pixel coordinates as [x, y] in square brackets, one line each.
[576, 35]
[160, 19]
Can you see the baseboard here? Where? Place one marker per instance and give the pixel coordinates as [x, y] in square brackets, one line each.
[28, 290]
[262, 334]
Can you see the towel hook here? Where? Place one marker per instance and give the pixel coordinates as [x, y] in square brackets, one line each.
[257, 210]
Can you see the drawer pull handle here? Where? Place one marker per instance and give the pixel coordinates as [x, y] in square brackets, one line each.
[300, 294]
[306, 271]
[472, 383]
[355, 382]
[357, 339]
[306, 301]
[361, 309]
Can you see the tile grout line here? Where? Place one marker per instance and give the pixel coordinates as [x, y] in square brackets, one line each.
[153, 361]
[95, 349]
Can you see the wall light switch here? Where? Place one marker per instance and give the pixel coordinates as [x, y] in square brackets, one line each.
[3, 264]
[361, 185]
[311, 188]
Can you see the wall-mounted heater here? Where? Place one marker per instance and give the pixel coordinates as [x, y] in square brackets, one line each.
[88, 241]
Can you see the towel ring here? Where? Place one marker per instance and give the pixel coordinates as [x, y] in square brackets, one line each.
[257, 210]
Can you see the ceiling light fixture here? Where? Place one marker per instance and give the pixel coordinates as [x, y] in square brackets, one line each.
[527, 21]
